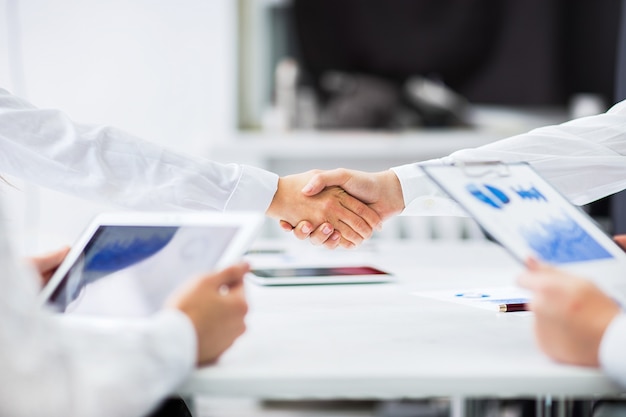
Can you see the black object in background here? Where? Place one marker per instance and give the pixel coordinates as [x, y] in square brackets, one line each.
[531, 52]
[618, 201]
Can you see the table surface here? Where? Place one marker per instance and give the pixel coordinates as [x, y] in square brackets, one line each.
[381, 341]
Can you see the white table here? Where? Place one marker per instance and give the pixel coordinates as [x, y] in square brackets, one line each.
[380, 341]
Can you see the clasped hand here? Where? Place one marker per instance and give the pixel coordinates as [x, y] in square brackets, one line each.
[340, 207]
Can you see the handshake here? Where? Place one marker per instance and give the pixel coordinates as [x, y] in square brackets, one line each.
[339, 207]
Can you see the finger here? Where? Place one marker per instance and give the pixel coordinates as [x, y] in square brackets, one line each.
[348, 223]
[362, 210]
[321, 235]
[231, 276]
[532, 264]
[286, 226]
[346, 244]
[325, 179]
[303, 230]
[333, 241]
[537, 266]
[528, 280]
[236, 292]
[51, 260]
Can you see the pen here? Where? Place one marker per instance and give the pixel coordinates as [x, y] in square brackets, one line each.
[511, 307]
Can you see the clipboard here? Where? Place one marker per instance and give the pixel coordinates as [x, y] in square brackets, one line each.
[526, 214]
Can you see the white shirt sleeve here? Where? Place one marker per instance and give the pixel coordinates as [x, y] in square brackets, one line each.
[77, 367]
[584, 158]
[613, 350]
[104, 163]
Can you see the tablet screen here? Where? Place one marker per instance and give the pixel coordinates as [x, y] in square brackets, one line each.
[131, 270]
[523, 212]
[317, 272]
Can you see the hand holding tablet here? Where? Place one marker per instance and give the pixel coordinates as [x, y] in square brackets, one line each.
[127, 264]
[530, 218]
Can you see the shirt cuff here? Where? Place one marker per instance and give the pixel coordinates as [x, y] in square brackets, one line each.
[179, 341]
[421, 196]
[612, 348]
[254, 191]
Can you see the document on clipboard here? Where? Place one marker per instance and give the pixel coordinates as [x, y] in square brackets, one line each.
[529, 217]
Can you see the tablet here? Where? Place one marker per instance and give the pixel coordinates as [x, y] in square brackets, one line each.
[128, 263]
[529, 217]
[319, 275]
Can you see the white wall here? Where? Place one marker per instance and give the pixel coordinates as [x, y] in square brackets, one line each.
[164, 70]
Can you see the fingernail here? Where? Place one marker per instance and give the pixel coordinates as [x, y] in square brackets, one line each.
[335, 237]
[306, 228]
[307, 188]
[326, 230]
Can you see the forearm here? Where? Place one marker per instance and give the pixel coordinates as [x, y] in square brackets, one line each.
[107, 164]
[585, 159]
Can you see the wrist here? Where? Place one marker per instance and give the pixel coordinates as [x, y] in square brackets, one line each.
[275, 207]
[392, 190]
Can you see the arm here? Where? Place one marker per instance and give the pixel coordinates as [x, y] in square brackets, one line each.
[107, 164]
[584, 158]
[79, 366]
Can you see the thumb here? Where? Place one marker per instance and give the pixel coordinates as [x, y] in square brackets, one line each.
[231, 276]
[50, 260]
[286, 226]
[318, 182]
[532, 264]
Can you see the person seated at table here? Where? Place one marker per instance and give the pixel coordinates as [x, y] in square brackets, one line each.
[80, 366]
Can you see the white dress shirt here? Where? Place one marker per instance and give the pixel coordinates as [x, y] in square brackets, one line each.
[104, 163]
[71, 366]
[584, 158]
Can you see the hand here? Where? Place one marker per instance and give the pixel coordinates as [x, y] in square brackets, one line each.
[333, 207]
[571, 314]
[381, 191]
[48, 263]
[325, 234]
[216, 306]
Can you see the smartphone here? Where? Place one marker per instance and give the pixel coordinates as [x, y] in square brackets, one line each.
[319, 275]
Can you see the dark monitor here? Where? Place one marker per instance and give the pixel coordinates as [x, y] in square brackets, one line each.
[531, 52]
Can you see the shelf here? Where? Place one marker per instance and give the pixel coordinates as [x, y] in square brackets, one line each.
[295, 152]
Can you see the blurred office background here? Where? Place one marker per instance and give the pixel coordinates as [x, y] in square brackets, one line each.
[300, 84]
